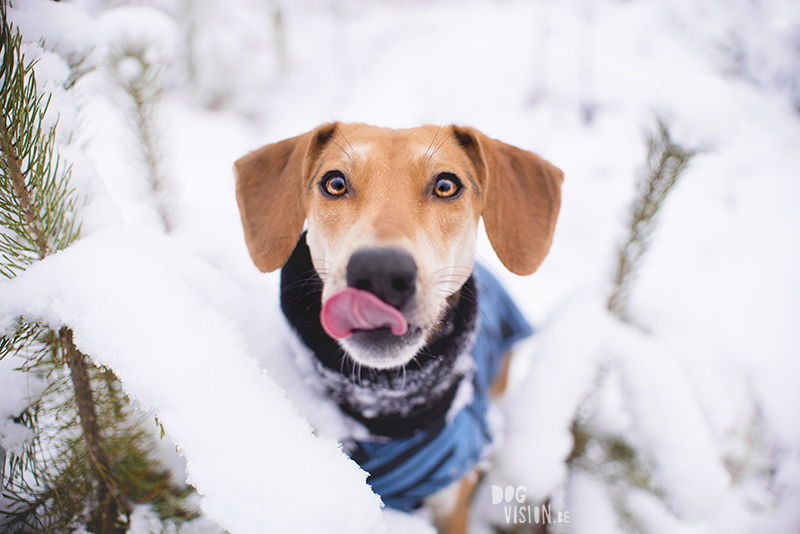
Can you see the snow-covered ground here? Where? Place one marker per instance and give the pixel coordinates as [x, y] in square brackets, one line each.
[703, 382]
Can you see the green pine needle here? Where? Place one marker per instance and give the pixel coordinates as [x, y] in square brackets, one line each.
[666, 163]
[141, 81]
[72, 473]
[37, 205]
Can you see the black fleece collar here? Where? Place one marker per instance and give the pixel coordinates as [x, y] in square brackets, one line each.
[427, 384]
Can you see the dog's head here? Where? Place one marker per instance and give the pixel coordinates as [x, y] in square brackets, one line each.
[392, 222]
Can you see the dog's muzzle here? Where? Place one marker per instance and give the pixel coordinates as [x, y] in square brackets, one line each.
[380, 281]
[388, 273]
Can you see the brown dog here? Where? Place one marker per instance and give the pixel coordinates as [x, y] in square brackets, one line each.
[392, 225]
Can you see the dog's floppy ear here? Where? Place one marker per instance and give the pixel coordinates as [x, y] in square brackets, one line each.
[270, 186]
[521, 199]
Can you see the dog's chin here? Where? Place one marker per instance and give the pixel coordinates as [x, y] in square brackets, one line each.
[380, 349]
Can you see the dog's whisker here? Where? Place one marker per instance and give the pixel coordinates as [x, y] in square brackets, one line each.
[447, 286]
[444, 279]
[461, 279]
[302, 284]
[332, 140]
[428, 150]
[453, 269]
[353, 150]
[440, 145]
[416, 361]
[448, 279]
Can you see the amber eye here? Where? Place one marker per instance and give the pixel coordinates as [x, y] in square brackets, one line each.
[447, 185]
[333, 184]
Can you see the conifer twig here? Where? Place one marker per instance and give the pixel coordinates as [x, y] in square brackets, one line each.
[666, 162]
[141, 80]
[111, 504]
[35, 198]
[611, 458]
[90, 460]
[17, 181]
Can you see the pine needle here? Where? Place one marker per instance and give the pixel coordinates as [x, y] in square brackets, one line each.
[666, 162]
[89, 460]
[142, 82]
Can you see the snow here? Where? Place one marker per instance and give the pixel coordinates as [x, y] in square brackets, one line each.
[139, 26]
[178, 356]
[15, 389]
[538, 436]
[661, 401]
[591, 511]
[66, 28]
[703, 383]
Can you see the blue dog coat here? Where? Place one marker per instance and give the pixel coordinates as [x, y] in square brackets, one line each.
[425, 430]
[406, 471]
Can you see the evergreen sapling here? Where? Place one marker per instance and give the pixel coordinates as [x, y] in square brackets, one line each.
[89, 460]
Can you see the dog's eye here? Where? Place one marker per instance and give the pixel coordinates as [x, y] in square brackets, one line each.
[447, 185]
[333, 184]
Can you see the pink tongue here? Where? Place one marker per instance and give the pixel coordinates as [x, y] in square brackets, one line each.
[354, 309]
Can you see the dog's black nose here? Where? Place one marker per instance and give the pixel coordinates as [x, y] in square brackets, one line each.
[388, 273]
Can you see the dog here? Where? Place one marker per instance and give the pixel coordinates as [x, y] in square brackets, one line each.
[374, 231]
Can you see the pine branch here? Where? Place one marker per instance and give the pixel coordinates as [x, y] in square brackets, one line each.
[141, 80]
[88, 459]
[608, 458]
[78, 68]
[36, 202]
[17, 181]
[111, 504]
[666, 162]
[53, 486]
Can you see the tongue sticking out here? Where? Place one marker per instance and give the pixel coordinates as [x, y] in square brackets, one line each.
[354, 309]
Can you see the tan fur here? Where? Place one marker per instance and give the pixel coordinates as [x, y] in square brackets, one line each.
[522, 196]
[519, 192]
[500, 383]
[390, 203]
[271, 199]
[451, 505]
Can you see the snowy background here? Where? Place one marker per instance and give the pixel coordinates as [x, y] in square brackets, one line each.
[703, 383]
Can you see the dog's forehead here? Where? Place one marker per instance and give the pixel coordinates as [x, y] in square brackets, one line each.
[416, 150]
